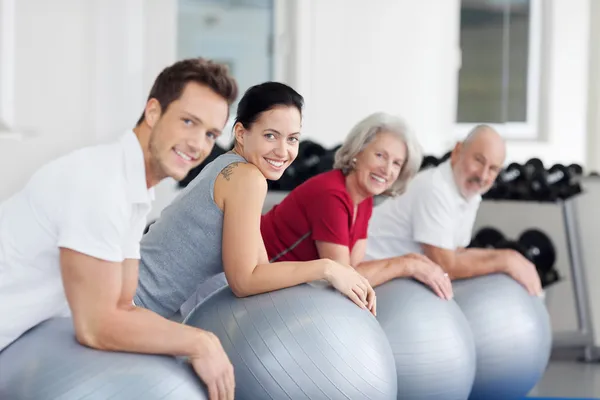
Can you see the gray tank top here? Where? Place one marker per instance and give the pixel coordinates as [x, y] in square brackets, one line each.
[181, 258]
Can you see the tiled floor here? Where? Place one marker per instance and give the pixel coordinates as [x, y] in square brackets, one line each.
[567, 377]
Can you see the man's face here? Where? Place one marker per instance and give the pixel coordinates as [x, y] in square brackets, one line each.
[184, 135]
[477, 164]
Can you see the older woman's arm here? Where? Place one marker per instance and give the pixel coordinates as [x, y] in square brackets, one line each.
[378, 272]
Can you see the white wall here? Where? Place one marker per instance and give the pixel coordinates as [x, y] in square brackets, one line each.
[82, 70]
[359, 57]
[565, 91]
[403, 56]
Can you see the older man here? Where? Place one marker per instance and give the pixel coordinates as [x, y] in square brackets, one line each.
[435, 216]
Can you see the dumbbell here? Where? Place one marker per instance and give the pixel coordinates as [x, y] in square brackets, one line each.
[445, 156]
[487, 238]
[512, 182]
[540, 248]
[537, 247]
[429, 161]
[559, 182]
[304, 167]
[533, 244]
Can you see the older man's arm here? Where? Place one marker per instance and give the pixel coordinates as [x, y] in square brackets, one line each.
[468, 263]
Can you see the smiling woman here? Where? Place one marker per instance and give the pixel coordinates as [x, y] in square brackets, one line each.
[328, 215]
[210, 236]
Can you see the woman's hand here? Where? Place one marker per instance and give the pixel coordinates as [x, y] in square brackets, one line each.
[351, 283]
[426, 271]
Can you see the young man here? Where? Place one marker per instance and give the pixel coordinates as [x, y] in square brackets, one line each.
[70, 237]
[435, 216]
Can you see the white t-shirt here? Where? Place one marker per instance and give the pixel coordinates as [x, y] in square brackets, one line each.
[432, 211]
[94, 200]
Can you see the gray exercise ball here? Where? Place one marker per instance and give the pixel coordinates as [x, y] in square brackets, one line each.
[431, 340]
[48, 363]
[302, 342]
[512, 332]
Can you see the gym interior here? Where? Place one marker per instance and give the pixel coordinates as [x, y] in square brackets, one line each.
[76, 73]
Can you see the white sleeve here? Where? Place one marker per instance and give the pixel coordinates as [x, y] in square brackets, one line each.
[94, 220]
[433, 220]
[131, 248]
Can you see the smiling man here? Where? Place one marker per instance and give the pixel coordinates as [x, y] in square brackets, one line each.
[70, 238]
[435, 216]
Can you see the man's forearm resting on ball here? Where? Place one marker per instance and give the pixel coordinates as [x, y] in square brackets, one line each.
[467, 263]
[100, 297]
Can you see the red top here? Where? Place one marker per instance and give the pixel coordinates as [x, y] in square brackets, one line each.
[318, 209]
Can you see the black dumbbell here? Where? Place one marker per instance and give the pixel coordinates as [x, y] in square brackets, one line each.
[487, 238]
[509, 183]
[533, 244]
[445, 157]
[429, 161]
[305, 166]
[513, 182]
[559, 182]
[538, 248]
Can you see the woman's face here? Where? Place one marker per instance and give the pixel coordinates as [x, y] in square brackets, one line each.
[378, 165]
[271, 143]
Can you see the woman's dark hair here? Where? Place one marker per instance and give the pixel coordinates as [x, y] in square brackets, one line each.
[263, 97]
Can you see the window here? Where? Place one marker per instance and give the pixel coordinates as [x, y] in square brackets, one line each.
[236, 32]
[7, 57]
[499, 76]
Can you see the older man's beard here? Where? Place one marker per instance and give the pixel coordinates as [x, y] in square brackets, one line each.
[475, 180]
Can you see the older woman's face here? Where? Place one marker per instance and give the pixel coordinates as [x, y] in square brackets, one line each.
[379, 163]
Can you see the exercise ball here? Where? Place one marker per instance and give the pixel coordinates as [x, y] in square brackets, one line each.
[302, 342]
[48, 363]
[512, 333]
[431, 340]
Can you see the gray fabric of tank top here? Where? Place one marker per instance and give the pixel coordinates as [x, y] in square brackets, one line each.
[181, 254]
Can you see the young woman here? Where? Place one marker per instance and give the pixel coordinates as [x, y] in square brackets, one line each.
[213, 226]
[328, 215]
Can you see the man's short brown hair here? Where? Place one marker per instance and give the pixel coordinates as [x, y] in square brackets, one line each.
[170, 83]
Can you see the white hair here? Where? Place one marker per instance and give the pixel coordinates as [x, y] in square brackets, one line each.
[365, 131]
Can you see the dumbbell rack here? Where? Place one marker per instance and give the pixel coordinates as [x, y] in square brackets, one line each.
[584, 335]
[572, 302]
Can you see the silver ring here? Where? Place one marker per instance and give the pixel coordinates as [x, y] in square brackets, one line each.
[446, 274]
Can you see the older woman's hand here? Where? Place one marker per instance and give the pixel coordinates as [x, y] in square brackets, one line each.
[426, 271]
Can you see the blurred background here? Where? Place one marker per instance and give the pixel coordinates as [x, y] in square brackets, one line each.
[75, 72]
[78, 72]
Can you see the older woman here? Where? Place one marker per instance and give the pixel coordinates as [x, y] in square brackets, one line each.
[328, 215]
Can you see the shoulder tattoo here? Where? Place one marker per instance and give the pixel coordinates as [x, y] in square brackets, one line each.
[228, 170]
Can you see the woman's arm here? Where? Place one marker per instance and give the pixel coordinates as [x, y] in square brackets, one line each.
[241, 192]
[378, 272]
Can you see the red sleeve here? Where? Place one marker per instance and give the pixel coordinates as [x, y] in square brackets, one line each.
[328, 217]
[366, 212]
